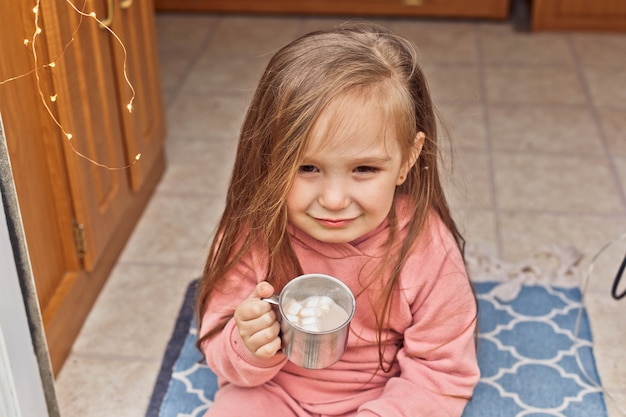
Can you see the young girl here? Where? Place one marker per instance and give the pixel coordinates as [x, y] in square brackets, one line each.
[336, 173]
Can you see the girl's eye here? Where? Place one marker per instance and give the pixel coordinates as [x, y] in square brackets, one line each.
[366, 170]
[307, 169]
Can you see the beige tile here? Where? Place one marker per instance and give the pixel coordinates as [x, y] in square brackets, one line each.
[229, 73]
[467, 180]
[533, 85]
[558, 129]
[252, 35]
[183, 34]
[180, 38]
[463, 124]
[135, 313]
[574, 184]
[458, 83]
[607, 86]
[175, 230]
[501, 44]
[614, 126]
[168, 97]
[173, 67]
[197, 179]
[440, 42]
[600, 49]
[478, 227]
[525, 233]
[103, 388]
[620, 164]
[615, 402]
[198, 166]
[195, 150]
[207, 115]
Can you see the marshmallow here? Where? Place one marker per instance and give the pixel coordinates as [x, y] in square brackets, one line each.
[309, 312]
[293, 307]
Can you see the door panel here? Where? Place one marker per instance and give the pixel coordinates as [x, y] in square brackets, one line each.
[600, 15]
[585, 8]
[144, 127]
[36, 154]
[86, 87]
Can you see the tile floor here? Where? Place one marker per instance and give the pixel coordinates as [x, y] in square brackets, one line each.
[539, 126]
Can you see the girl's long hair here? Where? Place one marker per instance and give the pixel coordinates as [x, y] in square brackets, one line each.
[299, 82]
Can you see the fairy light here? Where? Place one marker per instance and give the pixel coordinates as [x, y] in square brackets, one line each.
[92, 15]
[31, 44]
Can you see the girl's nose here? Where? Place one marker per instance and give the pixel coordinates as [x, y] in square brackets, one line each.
[334, 195]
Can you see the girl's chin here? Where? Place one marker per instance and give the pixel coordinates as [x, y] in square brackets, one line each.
[334, 235]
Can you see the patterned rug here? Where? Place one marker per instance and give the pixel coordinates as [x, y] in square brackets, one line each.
[534, 348]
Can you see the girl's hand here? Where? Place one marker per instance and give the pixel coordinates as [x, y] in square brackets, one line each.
[256, 322]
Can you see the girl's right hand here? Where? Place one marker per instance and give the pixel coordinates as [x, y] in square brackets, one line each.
[256, 322]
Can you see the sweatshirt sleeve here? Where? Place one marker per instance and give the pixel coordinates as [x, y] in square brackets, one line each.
[438, 365]
[225, 352]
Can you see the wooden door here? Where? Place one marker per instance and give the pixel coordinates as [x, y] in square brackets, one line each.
[599, 15]
[76, 198]
[491, 9]
[86, 88]
[144, 127]
[37, 158]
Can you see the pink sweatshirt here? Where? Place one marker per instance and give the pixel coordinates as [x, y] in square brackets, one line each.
[433, 318]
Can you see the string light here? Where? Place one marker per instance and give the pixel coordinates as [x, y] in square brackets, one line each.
[31, 44]
[92, 15]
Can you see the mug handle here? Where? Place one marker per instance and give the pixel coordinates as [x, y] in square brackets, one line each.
[272, 300]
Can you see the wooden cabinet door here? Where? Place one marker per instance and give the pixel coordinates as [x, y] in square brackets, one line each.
[144, 127]
[37, 159]
[599, 15]
[86, 89]
[493, 9]
[68, 155]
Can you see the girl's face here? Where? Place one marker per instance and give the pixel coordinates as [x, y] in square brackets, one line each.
[346, 181]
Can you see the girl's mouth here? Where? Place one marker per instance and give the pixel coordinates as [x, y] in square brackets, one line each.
[334, 223]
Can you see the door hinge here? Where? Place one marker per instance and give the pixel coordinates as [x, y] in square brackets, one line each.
[79, 238]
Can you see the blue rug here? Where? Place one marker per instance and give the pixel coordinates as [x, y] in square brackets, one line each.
[527, 352]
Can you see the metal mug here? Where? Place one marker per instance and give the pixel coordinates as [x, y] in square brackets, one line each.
[307, 348]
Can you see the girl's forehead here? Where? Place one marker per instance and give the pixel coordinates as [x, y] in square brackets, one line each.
[352, 122]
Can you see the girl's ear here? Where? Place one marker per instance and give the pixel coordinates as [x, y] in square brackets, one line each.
[417, 149]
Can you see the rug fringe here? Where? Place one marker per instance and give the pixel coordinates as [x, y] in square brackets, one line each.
[551, 265]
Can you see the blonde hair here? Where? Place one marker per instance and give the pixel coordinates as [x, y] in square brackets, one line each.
[299, 82]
